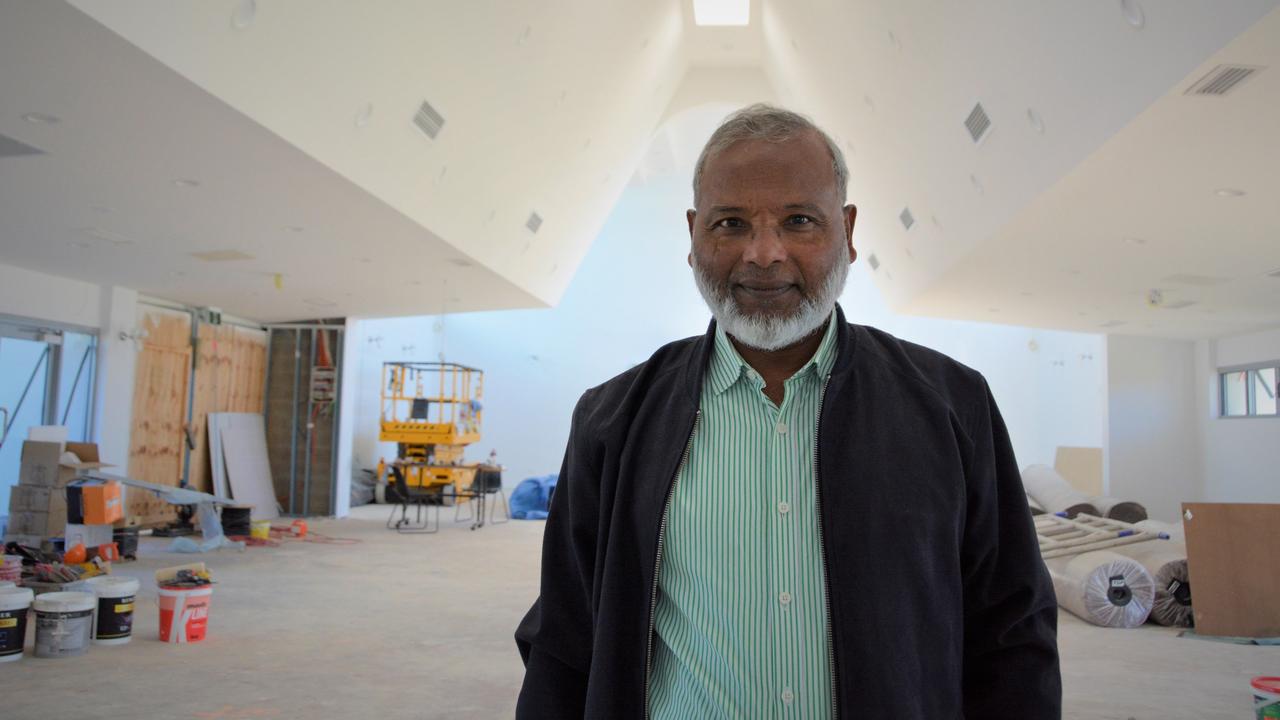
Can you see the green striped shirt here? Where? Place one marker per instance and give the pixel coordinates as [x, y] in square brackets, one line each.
[741, 617]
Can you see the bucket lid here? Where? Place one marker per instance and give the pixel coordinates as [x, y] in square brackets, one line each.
[1267, 684]
[15, 598]
[65, 602]
[114, 585]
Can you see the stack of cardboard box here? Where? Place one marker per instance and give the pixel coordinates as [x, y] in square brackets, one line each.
[38, 504]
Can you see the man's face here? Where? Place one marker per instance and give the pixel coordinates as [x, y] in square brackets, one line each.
[770, 228]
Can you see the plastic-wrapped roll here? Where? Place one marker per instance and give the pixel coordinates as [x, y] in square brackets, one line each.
[1172, 530]
[1054, 494]
[1166, 562]
[1122, 510]
[1105, 589]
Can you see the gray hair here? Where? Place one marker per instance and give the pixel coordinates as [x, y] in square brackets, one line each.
[771, 124]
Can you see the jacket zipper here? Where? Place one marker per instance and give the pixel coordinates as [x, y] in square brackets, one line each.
[822, 552]
[657, 560]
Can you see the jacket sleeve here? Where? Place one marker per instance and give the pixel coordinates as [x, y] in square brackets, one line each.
[555, 637]
[1011, 614]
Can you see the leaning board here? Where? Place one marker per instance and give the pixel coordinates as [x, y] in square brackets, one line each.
[242, 438]
[1230, 550]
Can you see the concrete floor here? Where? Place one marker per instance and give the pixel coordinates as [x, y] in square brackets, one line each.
[402, 626]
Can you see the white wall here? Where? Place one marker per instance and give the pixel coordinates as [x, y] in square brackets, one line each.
[1154, 445]
[634, 292]
[28, 294]
[1241, 461]
[116, 361]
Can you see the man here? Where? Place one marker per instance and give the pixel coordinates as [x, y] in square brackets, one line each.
[791, 516]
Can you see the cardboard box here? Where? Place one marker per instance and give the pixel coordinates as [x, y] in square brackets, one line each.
[39, 466]
[88, 455]
[29, 522]
[94, 502]
[28, 497]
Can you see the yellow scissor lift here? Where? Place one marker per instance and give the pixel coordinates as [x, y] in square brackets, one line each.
[432, 411]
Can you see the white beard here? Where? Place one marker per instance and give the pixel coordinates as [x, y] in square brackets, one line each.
[763, 332]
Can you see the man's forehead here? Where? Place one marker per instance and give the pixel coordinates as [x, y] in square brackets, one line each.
[800, 167]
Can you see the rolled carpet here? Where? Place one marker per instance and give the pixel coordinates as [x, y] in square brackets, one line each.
[1104, 588]
[1122, 510]
[1054, 494]
[1166, 562]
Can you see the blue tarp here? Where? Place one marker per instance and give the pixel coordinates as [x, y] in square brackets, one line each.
[532, 497]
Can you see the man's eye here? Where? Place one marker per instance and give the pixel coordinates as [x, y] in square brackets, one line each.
[799, 220]
[728, 223]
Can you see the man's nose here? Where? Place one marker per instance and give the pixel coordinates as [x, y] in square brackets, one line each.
[765, 247]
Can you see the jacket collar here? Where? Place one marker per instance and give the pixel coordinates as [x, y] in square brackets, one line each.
[704, 348]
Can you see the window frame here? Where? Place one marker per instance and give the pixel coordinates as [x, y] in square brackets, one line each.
[1251, 400]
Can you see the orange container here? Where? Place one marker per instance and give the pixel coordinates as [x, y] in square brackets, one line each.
[184, 613]
[102, 503]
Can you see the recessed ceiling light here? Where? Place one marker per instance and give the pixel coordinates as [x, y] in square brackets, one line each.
[1274, 274]
[320, 302]
[721, 12]
[1229, 192]
[459, 262]
[364, 115]
[524, 36]
[894, 41]
[186, 183]
[222, 255]
[1133, 14]
[244, 13]
[871, 103]
[1026, 294]
[40, 119]
[176, 273]
[993, 310]
[1135, 241]
[1037, 122]
[100, 209]
[82, 244]
[366, 260]
[294, 228]
[977, 184]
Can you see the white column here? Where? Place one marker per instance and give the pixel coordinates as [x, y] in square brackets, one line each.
[113, 401]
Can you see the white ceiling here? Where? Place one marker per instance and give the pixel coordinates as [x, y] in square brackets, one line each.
[299, 115]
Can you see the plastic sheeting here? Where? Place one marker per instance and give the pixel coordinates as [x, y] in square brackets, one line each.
[1105, 588]
[1166, 562]
[1054, 494]
[531, 499]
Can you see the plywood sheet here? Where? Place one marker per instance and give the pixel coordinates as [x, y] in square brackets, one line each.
[1230, 549]
[230, 376]
[156, 441]
[1081, 467]
[243, 438]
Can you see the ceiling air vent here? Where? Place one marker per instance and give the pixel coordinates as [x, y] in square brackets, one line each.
[907, 218]
[1274, 274]
[221, 255]
[874, 261]
[429, 120]
[12, 148]
[978, 123]
[1222, 80]
[534, 222]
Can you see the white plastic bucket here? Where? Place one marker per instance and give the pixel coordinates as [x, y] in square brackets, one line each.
[64, 623]
[184, 613]
[15, 604]
[113, 621]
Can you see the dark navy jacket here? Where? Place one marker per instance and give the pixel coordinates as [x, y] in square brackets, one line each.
[940, 606]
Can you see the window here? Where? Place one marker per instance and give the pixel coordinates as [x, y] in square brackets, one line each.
[1249, 391]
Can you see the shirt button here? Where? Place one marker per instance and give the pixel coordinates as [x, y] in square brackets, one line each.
[784, 598]
[781, 428]
[784, 507]
[787, 696]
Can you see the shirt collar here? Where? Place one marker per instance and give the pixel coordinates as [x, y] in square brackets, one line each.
[727, 365]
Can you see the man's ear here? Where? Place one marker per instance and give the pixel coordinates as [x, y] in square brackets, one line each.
[850, 216]
[690, 215]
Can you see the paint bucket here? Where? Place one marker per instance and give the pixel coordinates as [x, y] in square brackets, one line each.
[260, 530]
[64, 623]
[1266, 697]
[113, 623]
[15, 602]
[184, 613]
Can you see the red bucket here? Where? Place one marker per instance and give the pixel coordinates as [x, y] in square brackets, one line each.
[184, 613]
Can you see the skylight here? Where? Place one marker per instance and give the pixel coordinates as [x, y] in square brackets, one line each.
[722, 12]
